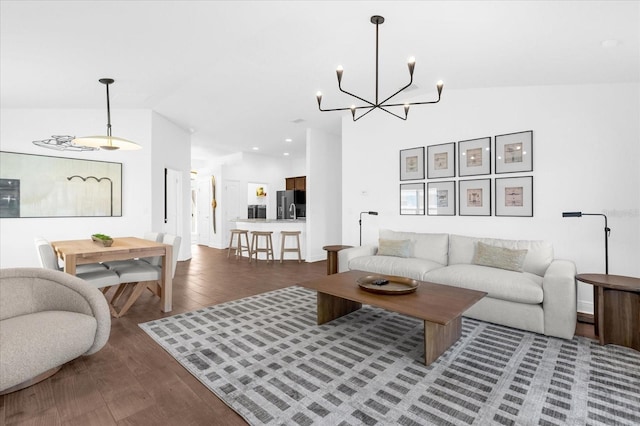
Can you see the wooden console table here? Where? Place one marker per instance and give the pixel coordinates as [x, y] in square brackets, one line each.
[616, 315]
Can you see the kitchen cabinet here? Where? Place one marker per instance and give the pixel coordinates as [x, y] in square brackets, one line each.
[298, 183]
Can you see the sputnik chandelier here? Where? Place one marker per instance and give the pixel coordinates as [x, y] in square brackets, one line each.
[411, 63]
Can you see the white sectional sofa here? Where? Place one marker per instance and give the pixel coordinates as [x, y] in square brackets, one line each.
[527, 288]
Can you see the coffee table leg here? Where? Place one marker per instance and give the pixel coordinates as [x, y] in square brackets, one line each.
[438, 338]
[332, 307]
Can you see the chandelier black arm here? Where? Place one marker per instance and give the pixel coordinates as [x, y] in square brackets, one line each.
[333, 109]
[345, 109]
[415, 103]
[409, 84]
[371, 108]
[355, 96]
[389, 112]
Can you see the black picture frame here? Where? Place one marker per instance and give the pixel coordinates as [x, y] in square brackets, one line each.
[514, 196]
[412, 199]
[514, 152]
[441, 161]
[474, 157]
[474, 197]
[412, 164]
[441, 198]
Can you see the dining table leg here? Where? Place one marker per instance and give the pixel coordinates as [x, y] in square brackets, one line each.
[69, 264]
[166, 291]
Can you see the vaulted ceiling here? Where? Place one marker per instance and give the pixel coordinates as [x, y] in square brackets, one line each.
[240, 74]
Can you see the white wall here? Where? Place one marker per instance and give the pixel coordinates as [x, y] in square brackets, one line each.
[171, 149]
[324, 186]
[585, 158]
[22, 126]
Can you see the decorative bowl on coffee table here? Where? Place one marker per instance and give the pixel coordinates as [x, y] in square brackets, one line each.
[393, 286]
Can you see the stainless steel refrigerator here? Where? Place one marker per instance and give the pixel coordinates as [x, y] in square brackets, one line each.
[288, 201]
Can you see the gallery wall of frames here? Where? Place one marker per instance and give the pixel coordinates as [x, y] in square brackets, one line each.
[464, 177]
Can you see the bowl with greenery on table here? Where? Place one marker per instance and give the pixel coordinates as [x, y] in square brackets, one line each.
[103, 239]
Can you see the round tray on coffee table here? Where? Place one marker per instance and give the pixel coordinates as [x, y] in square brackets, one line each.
[395, 286]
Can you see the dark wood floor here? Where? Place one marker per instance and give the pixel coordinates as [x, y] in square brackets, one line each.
[132, 381]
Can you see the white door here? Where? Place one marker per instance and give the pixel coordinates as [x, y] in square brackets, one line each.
[205, 226]
[174, 219]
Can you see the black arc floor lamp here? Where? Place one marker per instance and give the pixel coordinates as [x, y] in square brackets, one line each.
[360, 222]
[607, 233]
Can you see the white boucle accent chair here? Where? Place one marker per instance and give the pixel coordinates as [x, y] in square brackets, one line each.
[47, 318]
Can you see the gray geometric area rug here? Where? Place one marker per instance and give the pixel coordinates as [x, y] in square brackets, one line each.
[268, 360]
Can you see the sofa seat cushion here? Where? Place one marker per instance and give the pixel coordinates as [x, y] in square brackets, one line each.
[37, 342]
[391, 265]
[520, 287]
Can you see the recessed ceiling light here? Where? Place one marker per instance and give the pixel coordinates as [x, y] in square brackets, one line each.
[255, 148]
[286, 154]
[608, 44]
[288, 140]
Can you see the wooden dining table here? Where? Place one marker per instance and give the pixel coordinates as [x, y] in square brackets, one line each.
[79, 252]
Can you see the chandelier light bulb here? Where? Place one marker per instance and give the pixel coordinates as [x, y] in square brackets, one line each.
[319, 97]
[339, 72]
[439, 85]
[411, 63]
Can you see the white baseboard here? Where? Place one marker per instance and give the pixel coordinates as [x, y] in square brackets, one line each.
[585, 307]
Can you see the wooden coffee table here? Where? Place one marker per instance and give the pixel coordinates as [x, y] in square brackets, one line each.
[440, 306]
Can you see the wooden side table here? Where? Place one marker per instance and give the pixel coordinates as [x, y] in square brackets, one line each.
[616, 301]
[332, 257]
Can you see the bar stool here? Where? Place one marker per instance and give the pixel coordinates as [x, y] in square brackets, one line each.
[283, 237]
[239, 247]
[255, 244]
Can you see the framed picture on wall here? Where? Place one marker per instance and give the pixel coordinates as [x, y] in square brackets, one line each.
[441, 198]
[412, 164]
[514, 196]
[474, 157]
[514, 152]
[474, 197]
[412, 198]
[441, 161]
[33, 185]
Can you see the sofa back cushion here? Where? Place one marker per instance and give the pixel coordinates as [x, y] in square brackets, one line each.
[539, 253]
[397, 248]
[432, 247]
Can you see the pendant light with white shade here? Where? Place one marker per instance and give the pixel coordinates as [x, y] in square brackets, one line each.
[108, 142]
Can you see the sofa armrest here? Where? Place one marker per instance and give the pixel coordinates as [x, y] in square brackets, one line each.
[559, 300]
[344, 256]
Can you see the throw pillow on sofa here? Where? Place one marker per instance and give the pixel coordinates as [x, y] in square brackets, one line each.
[499, 257]
[397, 248]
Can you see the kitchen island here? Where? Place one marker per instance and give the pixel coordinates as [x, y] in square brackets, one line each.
[276, 226]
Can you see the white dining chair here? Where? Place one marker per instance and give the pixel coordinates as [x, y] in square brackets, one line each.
[52, 262]
[151, 236]
[95, 274]
[136, 277]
